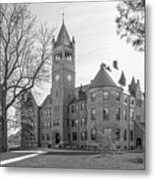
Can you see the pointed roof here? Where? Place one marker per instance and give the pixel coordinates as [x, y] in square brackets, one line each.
[63, 36]
[102, 79]
[122, 80]
[132, 86]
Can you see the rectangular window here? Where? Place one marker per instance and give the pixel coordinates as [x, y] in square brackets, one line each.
[117, 134]
[72, 108]
[105, 95]
[83, 122]
[93, 113]
[125, 135]
[83, 106]
[131, 135]
[132, 115]
[118, 96]
[74, 136]
[107, 132]
[56, 123]
[118, 112]
[74, 123]
[105, 113]
[76, 108]
[93, 97]
[83, 136]
[93, 134]
[125, 100]
[125, 114]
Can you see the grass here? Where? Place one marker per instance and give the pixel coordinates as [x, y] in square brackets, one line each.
[10, 155]
[131, 161]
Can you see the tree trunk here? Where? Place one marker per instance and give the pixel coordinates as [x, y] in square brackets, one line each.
[4, 124]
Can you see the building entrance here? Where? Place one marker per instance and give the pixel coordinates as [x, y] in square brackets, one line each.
[57, 138]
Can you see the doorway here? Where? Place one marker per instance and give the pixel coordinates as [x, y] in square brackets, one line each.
[57, 138]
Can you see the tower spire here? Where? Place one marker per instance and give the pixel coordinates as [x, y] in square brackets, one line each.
[63, 17]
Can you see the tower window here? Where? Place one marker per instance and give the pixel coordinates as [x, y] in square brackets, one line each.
[93, 113]
[105, 95]
[105, 113]
[125, 99]
[132, 115]
[68, 56]
[125, 114]
[118, 114]
[118, 96]
[58, 57]
[93, 97]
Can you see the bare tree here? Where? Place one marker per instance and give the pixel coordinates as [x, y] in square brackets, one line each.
[131, 22]
[25, 55]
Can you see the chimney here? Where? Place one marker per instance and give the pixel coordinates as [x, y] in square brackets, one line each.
[115, 64]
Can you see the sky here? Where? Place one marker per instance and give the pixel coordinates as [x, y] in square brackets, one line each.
[94, 28]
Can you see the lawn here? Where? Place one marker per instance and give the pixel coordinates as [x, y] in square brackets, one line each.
[132, 161]
[10, 155]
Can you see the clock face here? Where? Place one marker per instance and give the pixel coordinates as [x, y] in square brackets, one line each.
[57, 77]
[69, 77]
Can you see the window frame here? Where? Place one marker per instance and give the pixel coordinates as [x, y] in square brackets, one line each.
[106, 116]
[93, 115]
[106, 97]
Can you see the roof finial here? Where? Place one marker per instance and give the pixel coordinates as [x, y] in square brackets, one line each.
[63, 18]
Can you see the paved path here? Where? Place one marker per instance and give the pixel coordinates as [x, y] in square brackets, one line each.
[12, 160]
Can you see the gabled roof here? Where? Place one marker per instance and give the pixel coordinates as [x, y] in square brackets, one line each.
[102, 79]
[47, 101]
[63, 36]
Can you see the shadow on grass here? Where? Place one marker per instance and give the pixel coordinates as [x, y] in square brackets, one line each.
[136, 160]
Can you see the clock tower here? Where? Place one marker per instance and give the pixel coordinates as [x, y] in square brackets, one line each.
[63, 84]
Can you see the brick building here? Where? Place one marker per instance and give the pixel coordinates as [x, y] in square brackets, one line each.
[73, 116]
